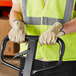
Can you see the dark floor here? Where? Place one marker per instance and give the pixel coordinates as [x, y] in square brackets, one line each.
[6, 71]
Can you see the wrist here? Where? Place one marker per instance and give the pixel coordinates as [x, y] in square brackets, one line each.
[17, 20]
[57, 27]
[18, 24]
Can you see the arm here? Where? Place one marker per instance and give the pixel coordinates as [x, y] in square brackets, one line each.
[50, 36]
[18, 31]
[70, 27]
[15, 13]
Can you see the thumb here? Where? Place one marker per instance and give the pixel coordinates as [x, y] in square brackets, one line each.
[61, 33]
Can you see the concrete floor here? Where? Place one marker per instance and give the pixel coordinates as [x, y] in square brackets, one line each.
[6, 71]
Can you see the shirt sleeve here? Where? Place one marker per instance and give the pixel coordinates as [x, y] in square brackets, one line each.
[16, 1]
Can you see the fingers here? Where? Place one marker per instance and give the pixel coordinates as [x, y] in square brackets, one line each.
[54, 38]
[22, 38]
[47, 38]
[17, 36]
[61, 33]
[51, 39]
[41, 39]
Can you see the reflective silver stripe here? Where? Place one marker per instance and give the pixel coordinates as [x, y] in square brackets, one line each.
[24, 8]
[51, 21]
[32, 20]
[68, 10]
[47, 20]
[67, 15]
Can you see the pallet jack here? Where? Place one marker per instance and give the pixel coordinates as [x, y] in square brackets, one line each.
[30, 56]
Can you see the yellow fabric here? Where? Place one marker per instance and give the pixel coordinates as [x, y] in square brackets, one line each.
[35, 8]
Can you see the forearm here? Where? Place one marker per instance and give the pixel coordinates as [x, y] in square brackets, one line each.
[14, 15]
[70, 27]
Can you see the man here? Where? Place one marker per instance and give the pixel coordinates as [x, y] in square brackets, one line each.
[38, 15]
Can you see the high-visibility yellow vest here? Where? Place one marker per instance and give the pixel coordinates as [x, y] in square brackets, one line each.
[39, 17]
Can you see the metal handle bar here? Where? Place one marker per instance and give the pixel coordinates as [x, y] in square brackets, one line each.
[61, 52]
[6, 39]
[3, 46]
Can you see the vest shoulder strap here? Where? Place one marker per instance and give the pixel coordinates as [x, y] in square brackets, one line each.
[47, 20]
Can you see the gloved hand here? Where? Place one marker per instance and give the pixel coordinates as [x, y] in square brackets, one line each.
[50, 36]
[17, 33]
[61, 33]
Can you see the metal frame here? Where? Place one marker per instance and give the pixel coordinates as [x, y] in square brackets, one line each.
[30, 57]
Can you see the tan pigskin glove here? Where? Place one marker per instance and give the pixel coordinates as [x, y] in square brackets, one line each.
[17, 33]
[50, 36]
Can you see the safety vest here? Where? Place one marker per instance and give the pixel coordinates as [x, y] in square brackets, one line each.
[39, 17]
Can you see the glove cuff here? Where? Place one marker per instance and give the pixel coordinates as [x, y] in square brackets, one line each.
[62, 27]
[18, 24]
[17, 20]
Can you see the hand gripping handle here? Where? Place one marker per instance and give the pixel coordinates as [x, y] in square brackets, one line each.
[61, 53]
[3, 46]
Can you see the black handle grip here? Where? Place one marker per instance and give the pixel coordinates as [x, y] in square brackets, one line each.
[6, 39]
[3, 46]
[61, 53]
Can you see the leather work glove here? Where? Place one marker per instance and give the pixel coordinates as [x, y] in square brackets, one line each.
[17, 33]
[50, 36]
[61, 33]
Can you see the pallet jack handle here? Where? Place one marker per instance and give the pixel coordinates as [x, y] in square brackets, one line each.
[32, 45]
